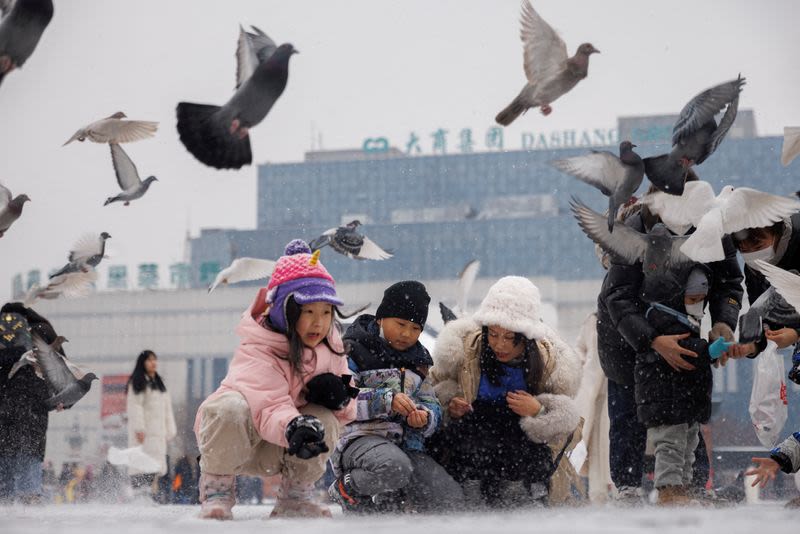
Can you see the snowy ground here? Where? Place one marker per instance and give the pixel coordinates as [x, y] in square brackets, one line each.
[130, 519]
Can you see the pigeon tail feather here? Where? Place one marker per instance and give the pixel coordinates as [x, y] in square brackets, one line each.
[666, 174]
[511, 112]
[208, 138]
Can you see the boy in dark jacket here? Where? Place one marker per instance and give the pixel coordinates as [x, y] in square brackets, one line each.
[383, 451]
[673, 400]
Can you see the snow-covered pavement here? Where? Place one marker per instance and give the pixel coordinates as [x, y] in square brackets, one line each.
[134, 519]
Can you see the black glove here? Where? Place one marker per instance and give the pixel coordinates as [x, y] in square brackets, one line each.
[306, 437]
[14, 331]
[331, 391]
[37, 323]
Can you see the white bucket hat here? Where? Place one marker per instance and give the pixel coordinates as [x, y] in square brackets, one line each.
[513, 303]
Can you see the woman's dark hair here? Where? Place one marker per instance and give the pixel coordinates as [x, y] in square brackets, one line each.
[296, 346]
[138, 378]
[533, 364]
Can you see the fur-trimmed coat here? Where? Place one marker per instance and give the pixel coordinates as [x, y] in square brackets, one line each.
[456, 372]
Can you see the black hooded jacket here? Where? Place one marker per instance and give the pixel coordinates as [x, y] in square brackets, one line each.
[369, 351]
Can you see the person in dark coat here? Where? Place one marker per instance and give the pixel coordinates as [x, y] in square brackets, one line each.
[23, 415]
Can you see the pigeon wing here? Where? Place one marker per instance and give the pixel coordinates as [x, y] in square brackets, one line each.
[124, 168]
[722, 129]
[791, 145]
[676, 256]
[465, 281]
[323, 240]
[5, 196]
[785, 283]
[69, 285]
[624, 242]
[703, 107]
[251, 49]
[749, 208]
[371, 251]
[682, 211]
[122, 131]
[85, 247]
[544, 52]
[602, 169]
[242, 269]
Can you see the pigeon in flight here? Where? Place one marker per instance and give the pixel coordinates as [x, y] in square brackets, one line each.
[21, 27]
[770, 308]
[346, 240]
[242, 269]
[465, 281]
[252, 49]
[791, 144]
[550, 72]
[114, 129]
[695, 136]
[219, 136]
[616, 177]
[127, 177]
[86, 254]
[786, 283]
[10, 208]
[66, 381]
[713, 217]
[68, 285]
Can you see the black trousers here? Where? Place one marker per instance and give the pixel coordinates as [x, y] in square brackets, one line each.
[627, 437]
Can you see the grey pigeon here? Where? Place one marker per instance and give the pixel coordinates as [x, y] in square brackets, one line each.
[10, 208]
[67, 383]
[346, 240]
[115, 129]
[23, 24]
[550, 72]
[770, 308]
[127, 177]
[86, 254]
[618, 178]
[219, 136]
[695, 136]
[252, 49]
[447, 313]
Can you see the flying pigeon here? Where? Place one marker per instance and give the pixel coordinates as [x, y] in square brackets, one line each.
[465, 281]
[242, 269]
[127, 177]
[713, 217]
[770, 308]
[695, 136]
[114, 129]
[616, 177]
[218, 136]
[252, 49]
[791, 144]
[68, 285]
[21, 27]
[10, 208]
[86, 253]
[550, 72]
[786, 283]
[346, 240]
[66, 381]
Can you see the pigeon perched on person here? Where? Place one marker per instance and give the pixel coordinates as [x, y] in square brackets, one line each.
[771, 309]
[791, 144]
[66, 381]
[242, 269]
[618, 178]
[695, 136]
[219, 136]
[252, 49]
[550, 72]
[127, 177]
[21, 27]
[713, 217]
[115, 129]
[346, 240]
[10, 208]
[67, 285]
[86, 254]
[786, 283]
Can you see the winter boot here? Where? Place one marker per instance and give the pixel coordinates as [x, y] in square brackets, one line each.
[296, 499]
[673, 496]
[343, 493]
[217, 496]
[629, 496]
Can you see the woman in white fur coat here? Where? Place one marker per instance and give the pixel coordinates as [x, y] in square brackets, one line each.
[151, 422]
[506, 382]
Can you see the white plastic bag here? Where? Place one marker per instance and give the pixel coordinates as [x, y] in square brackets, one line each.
[135, 458]
[768, 404]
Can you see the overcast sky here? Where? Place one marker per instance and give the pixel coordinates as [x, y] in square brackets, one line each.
[366, 68]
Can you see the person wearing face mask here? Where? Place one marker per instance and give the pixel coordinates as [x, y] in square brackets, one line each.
[672, 400]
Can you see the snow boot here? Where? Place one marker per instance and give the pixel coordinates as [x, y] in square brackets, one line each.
[217, 496]
[673, 496]
[342, 492]
[296, 499]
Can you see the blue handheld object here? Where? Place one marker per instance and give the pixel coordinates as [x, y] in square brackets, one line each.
[719, 346]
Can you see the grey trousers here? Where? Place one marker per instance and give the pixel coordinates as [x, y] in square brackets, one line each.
[674, 450]
[376, 465]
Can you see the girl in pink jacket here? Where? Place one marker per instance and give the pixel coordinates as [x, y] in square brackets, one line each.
[280, 408]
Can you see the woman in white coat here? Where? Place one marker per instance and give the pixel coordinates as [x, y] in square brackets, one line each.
[151, 422]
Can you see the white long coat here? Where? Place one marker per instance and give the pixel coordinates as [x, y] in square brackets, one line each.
[151, 412]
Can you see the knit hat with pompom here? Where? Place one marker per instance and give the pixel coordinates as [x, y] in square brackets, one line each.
[299, 274]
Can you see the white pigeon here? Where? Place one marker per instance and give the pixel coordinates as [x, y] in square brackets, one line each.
[86, 253]
[242, 269]
[791, 144]
[713, 217]
[127, 177]
[68, 285]
[785, 283]
[114, 129]
[465, 281]
[251, 49]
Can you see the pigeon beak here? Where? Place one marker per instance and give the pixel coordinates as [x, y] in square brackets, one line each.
[634, 146]
[295, 51]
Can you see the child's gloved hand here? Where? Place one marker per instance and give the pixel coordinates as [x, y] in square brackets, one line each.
[331, 391]
[306, 437]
